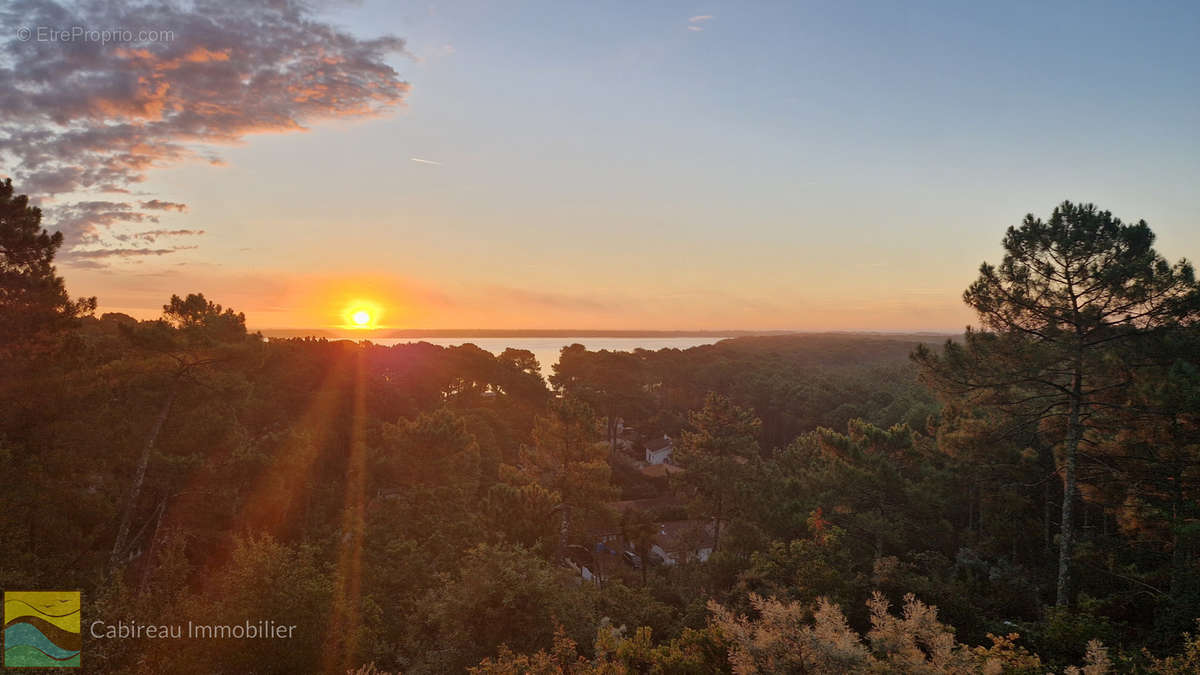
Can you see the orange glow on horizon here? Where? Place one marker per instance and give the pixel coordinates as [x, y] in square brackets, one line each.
[362, 315]
[325, 304]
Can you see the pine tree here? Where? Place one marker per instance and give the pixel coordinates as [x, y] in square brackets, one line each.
[33, 298]
[717, 454]
[1069, 291]
[564, 457]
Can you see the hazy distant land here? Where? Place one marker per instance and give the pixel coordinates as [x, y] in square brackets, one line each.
[387, 333]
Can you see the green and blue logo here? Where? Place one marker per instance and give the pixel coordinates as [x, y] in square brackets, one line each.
[41, 629]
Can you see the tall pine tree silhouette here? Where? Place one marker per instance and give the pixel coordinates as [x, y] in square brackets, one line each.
[1069, 292]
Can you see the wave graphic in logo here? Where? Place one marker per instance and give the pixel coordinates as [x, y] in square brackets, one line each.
[41, 629]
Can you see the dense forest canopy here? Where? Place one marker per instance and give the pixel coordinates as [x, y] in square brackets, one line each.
[1022, 499]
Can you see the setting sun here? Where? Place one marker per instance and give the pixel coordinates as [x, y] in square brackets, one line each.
[361, 314]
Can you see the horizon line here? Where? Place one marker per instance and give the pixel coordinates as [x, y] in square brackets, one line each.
[385, 333]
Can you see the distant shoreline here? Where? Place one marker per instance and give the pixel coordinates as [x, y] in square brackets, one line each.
[501, 333]
[386, 333]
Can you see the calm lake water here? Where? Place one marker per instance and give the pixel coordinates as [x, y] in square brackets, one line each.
[546, 348]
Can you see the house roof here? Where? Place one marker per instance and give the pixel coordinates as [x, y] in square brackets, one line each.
[656, 444]
[684, 535]
[673, 536]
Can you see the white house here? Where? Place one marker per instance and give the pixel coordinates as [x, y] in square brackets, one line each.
[658, 450]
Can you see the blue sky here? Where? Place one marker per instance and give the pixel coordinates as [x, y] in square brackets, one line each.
[696, 165]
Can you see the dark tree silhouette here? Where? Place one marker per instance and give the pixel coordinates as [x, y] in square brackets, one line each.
[33, 298]
[1069, 292]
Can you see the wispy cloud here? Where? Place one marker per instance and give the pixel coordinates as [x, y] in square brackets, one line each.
[82, 221]
[159, 205]
[154, 235]
[700, 17]
[695, 29]
[95, 227]
[425, 161]
[89, 116]
[129, 252]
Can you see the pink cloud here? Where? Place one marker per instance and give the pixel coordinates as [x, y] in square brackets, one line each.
[89, 116]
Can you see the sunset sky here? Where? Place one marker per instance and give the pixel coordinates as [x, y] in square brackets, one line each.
[665, 165]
